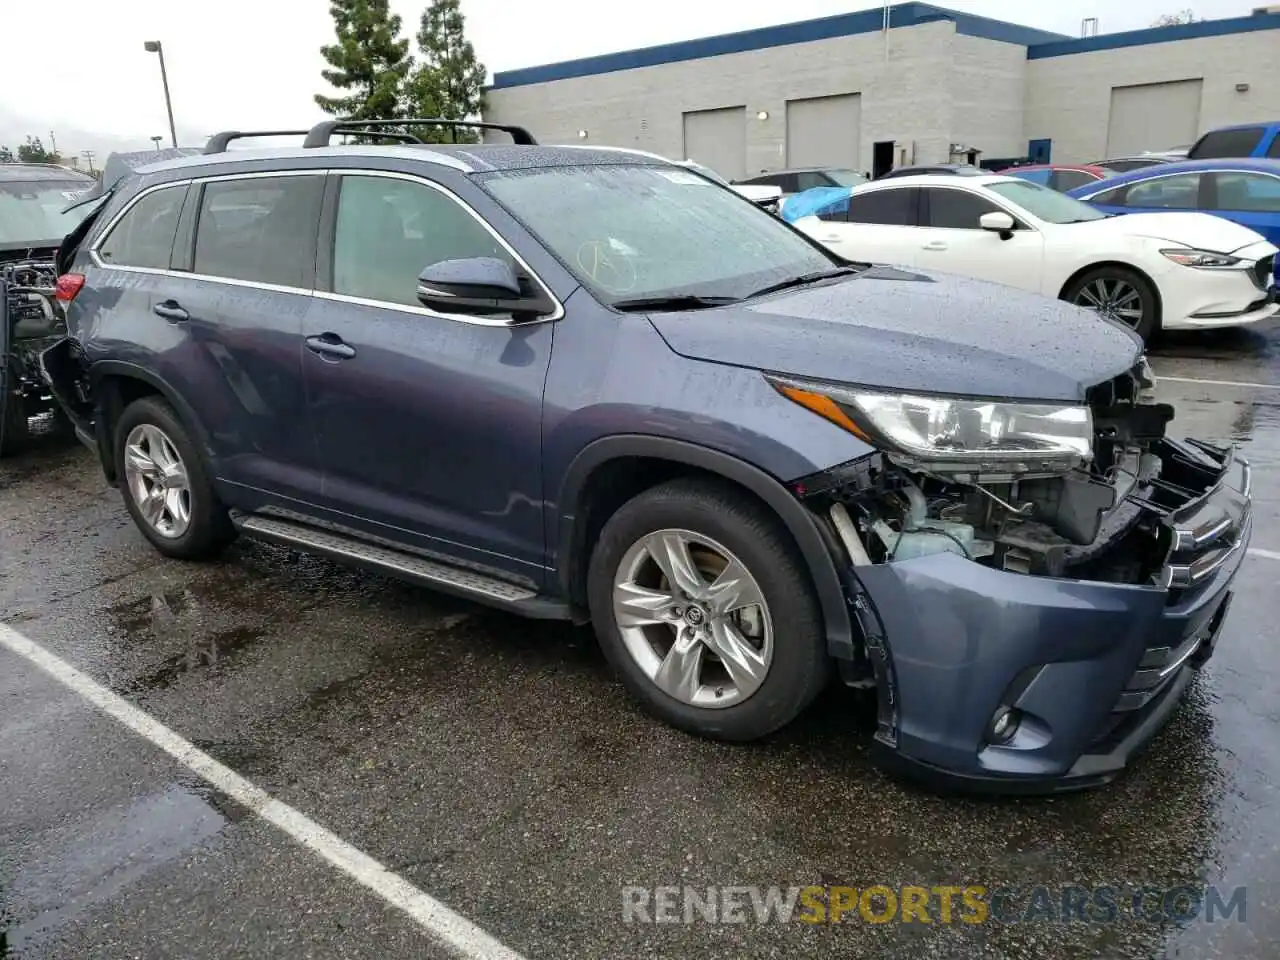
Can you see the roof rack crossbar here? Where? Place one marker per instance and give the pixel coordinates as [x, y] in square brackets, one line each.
[321, 132]
[218, 142]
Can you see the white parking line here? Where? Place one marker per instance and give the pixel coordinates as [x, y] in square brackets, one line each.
[1267, 554]
[1219, 383]
[453, 931]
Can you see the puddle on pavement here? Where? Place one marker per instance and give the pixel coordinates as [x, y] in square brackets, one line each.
[92, 860]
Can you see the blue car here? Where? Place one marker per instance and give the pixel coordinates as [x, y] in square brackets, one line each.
[1244, 190]
[594, 386]
[1242, 140]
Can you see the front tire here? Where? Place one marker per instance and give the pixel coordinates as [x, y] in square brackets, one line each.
[1119, 294]
[704, 608]
[165, 485]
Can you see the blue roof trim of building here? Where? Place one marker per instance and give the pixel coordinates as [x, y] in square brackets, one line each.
[1138, 38]
[842, 25]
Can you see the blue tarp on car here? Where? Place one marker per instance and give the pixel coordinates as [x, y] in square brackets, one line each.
[818, 200]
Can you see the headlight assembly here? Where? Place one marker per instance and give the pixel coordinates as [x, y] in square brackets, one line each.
[1189, 257]
[951, 434]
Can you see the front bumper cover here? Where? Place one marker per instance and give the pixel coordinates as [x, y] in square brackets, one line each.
[1094, 669]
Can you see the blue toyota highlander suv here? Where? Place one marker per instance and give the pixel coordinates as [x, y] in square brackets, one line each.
[587, 384]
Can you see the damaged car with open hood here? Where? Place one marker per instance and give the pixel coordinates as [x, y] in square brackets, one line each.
[588, 384]
[33, 199]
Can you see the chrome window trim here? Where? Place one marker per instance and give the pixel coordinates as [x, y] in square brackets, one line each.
[556, 314]
[1175, 173]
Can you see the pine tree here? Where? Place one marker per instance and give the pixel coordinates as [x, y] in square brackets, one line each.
[448, 81]
[369, 60]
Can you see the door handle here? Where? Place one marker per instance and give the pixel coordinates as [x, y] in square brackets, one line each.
[935, 245]
[832, 237]
[331, 346]
[171, 310]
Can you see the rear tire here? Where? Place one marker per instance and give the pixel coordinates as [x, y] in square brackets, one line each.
[165, 484]
[1121, 294]
[734, 661]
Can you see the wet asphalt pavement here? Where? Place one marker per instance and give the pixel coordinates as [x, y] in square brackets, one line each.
[495, 764]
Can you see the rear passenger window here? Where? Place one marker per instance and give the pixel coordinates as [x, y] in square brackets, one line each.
[144, 236]
[1273, 151]
[892, 207]
[259, 229]
[390, 230]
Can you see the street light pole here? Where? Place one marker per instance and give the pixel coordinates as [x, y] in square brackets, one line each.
[154, 46]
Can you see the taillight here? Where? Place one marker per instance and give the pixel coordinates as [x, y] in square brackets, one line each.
[68, 286]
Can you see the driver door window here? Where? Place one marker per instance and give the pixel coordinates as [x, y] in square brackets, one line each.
[956, 209]
[388, 230]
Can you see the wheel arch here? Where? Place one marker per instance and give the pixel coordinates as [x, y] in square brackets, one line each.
[1122, 265]
[116, 384]
[611, 470]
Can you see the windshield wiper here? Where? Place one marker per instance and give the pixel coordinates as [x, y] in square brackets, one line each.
[804, 278]
[674, 301]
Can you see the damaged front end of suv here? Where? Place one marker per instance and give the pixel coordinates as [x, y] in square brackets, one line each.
[1036, 583]
[30, 322]
[37, 209]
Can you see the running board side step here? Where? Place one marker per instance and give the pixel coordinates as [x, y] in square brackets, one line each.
[403, 566]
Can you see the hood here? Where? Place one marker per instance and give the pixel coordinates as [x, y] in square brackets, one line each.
[1203, 231]
[912, 332]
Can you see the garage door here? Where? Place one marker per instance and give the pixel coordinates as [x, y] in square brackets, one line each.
[1153, 116]
[718, 139]
[823, 131]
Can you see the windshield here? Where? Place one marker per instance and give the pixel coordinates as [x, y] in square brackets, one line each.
[632, 232]
[846, 178]
[1049, 205]
[31, 211]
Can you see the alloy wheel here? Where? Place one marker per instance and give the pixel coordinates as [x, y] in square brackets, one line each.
[1114, 298]
[693, 618]
[157, 481]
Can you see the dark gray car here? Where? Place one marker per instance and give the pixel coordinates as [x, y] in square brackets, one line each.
[591, 385]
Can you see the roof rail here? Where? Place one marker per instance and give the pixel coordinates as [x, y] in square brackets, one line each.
[218, 142]
[321, 133]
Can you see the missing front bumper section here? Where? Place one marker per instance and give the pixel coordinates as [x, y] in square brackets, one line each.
[1109, 645]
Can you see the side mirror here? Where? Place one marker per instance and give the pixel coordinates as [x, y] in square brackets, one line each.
[997, 221]
[477, 285]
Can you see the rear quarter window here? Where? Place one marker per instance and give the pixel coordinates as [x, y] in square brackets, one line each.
[143, 237]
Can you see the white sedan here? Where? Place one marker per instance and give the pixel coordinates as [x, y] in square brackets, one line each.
[1148, 270]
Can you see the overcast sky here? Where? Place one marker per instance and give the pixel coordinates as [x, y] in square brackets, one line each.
[256, 63]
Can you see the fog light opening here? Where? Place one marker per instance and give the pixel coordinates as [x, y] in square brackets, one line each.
[1004, 724]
